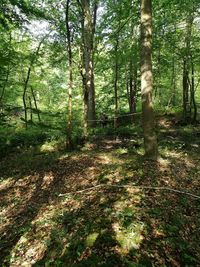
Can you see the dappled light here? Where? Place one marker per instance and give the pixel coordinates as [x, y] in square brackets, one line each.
[47, 221]
[99, 133]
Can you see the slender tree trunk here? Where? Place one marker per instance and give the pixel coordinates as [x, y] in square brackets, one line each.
[35, 103]
[88, 31]
[158, 83]
[185, 90]
[150, 138]
[26, 82]
[194, 119]
[69, 142]
[186, 67]
[173, 84]
[127, 86]
[24, 96]
[133, 71]
[116, 82]
[7, 74]
[133, 87]
[31, 110]
[4, 85]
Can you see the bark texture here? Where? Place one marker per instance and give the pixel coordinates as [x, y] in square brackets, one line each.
[69, 143]
[150, 138]
[89, 12]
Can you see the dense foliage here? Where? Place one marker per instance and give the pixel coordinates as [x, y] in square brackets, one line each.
[80, 83]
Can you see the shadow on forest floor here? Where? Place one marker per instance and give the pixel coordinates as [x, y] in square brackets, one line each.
[43, 225]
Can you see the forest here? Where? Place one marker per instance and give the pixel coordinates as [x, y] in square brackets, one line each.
[99, 133]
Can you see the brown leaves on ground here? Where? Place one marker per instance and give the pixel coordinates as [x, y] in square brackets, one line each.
[116, 225]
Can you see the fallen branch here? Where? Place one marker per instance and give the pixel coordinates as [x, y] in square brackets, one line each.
[134, 186]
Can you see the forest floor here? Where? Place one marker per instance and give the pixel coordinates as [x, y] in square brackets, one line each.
[45, 222]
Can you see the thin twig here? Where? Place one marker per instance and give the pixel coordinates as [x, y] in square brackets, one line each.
[134, 186]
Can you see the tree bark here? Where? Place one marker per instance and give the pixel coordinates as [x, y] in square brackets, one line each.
[35, 103]
[116, 82]
[88, 31]
[194, 119]
[31, 109]
[4, 85]
[133, 87]
[185, 89]
[69, 142]
[186, 67]
[24, 96]
[150, 138]
[7, 73]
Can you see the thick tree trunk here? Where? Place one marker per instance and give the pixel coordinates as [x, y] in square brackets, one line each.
[150, 138]
[88, 31]
[69, 142]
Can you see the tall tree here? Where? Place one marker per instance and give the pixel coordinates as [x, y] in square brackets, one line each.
[89, 14]
[150, 138]
[69, 50]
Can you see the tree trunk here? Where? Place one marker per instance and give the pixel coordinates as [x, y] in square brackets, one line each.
[116, 82]
[28, 77]
[31, 110]
[173, 84]
[7, 73]
[4, 85]
[150, 138]
[133, 87]
[185, 90]
[69, 142]
[194, 119]
[24, 96]
[88, 31]
[158, 80]
[35, 103]
[186, 67]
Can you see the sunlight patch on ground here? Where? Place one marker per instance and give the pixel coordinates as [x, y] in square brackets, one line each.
[64, 157]
[49, 147]
[175, 154]
[105, 159]
[88, 147]
[5, 183]
[164, 165]
[90, 239]
[128, 228]
[47, 180]
[35, 251]
[122, 151]
[130, 237]
[33, 244]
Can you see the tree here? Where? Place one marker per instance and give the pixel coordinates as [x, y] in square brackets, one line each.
[150, 138]
[88, 14]
[69, 50]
